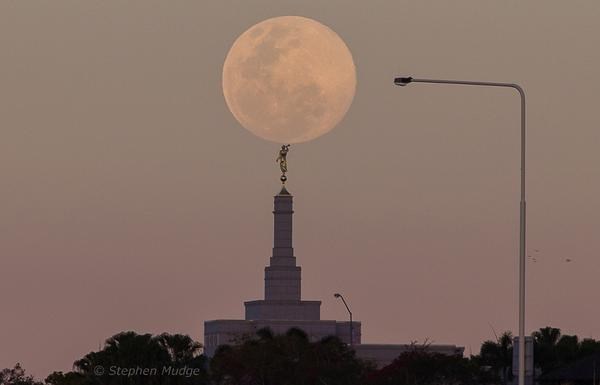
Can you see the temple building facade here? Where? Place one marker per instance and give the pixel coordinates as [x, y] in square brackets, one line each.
[283, 308]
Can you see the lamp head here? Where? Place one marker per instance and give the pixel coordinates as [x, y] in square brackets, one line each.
[403, 81]
[337, 295]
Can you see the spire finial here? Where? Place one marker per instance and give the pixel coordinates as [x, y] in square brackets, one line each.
[282, 159]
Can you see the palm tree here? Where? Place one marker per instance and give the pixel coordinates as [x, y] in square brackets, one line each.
[181, 348]
[545, 354]
[547, 336]
[498, 355]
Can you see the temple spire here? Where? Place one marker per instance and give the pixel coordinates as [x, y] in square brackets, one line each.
[282, 276]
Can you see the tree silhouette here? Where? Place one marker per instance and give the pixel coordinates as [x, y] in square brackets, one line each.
[552, 350]
[157, 360]
[567, 349]
[16, 376]
[288, 359]
[545, 355]
[498, 356]
[421, 367]
[293, 359]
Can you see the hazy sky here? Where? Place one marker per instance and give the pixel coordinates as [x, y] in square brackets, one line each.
[131, 199]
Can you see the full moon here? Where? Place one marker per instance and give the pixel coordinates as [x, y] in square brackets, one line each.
[289, 79]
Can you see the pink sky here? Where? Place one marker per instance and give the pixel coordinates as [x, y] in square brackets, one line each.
[131, 199]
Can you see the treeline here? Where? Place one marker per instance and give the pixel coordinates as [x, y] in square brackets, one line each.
[291, 359]
[553, 350]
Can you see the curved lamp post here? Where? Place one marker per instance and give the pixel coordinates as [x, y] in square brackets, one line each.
[403, 81]
[338, 295]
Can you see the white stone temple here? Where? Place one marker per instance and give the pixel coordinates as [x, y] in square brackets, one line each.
[283, 307]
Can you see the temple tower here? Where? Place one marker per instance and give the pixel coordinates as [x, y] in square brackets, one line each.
[282, 276]
[282, 307]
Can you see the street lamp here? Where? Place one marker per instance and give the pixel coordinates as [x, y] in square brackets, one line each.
[338, 295]
[404, 81]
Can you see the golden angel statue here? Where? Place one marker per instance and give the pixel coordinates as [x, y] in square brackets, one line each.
[282, 160]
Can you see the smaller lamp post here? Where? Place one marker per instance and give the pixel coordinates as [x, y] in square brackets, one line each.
[338, 295]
